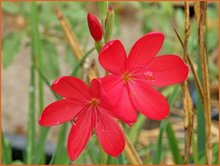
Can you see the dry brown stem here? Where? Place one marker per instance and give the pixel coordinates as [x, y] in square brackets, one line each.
[187, 101]
[195, 75]
[205, 77]
[197, 11]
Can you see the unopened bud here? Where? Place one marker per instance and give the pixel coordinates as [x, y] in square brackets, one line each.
[109, 24]
[94, 27]
[103, 9]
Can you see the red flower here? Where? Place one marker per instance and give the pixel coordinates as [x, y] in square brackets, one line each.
[88, 108]
[129, 86]
[94, 27]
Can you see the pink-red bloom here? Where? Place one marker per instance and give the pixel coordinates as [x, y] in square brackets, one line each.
[88, 109]
[94, 27]
[129, 86]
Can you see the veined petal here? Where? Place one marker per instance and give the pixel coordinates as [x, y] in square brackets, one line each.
[113, 57]
[148, 101]
[109, 134]
[71, 87]
[59, 112]
[79, 134]
[119, 98]
[145, 49]
[166, 70]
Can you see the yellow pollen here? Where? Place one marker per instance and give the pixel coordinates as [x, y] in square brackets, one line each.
[127, 77]
[94, 102]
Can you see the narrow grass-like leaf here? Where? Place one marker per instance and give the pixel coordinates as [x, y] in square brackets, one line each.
[194, 149]
[121, 159]
[6, 149]
[51, 59]
[11, 45]
[158, 152]
[92, 151]
[175, 94]
[60, 156]
[216, 153]
[134, 131]
[173, 143]
[36, 44]
[81, 61]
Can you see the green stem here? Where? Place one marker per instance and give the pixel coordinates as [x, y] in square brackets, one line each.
[37, 52]
[31, 120]
[31, 117]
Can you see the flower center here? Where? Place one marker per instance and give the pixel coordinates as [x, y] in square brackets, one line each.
[127, 77]
[94, 102]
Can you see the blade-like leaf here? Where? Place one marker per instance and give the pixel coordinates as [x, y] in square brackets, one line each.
[173, 143]
[60, 156]
[157, 155]
[11, 45]
[51, 59]
[6, 149]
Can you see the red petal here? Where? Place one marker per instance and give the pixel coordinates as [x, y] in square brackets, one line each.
[95, 88]
[71, 87]
[99, 93]
[59, 112]
[118, 96]
[113, 57]
[148, 101]
[145, 49]
[79, 134]
[109, 134]
[167, 70]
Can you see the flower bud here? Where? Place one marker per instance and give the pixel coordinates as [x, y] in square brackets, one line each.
[109, 24]
[94, 27]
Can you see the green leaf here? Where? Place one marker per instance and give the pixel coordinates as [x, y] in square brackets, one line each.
[134, 131]
[158, 152]
[81, 61]
[6, 148]
[60, 156]
[216, 153]
[93, 151]
[51, 60]
[201, 138]
[11, 45]
[173, 145]
[10, 7]
[17, 162]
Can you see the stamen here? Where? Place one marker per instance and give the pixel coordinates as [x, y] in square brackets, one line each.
[94, 102]
[127, 77]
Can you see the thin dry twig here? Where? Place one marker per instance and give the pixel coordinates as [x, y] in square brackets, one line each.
[205, 77]
[130, 152]
[197, 11]
[187, 101]
[195, 75]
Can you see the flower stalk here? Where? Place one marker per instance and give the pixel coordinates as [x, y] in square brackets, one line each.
[129, 150]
